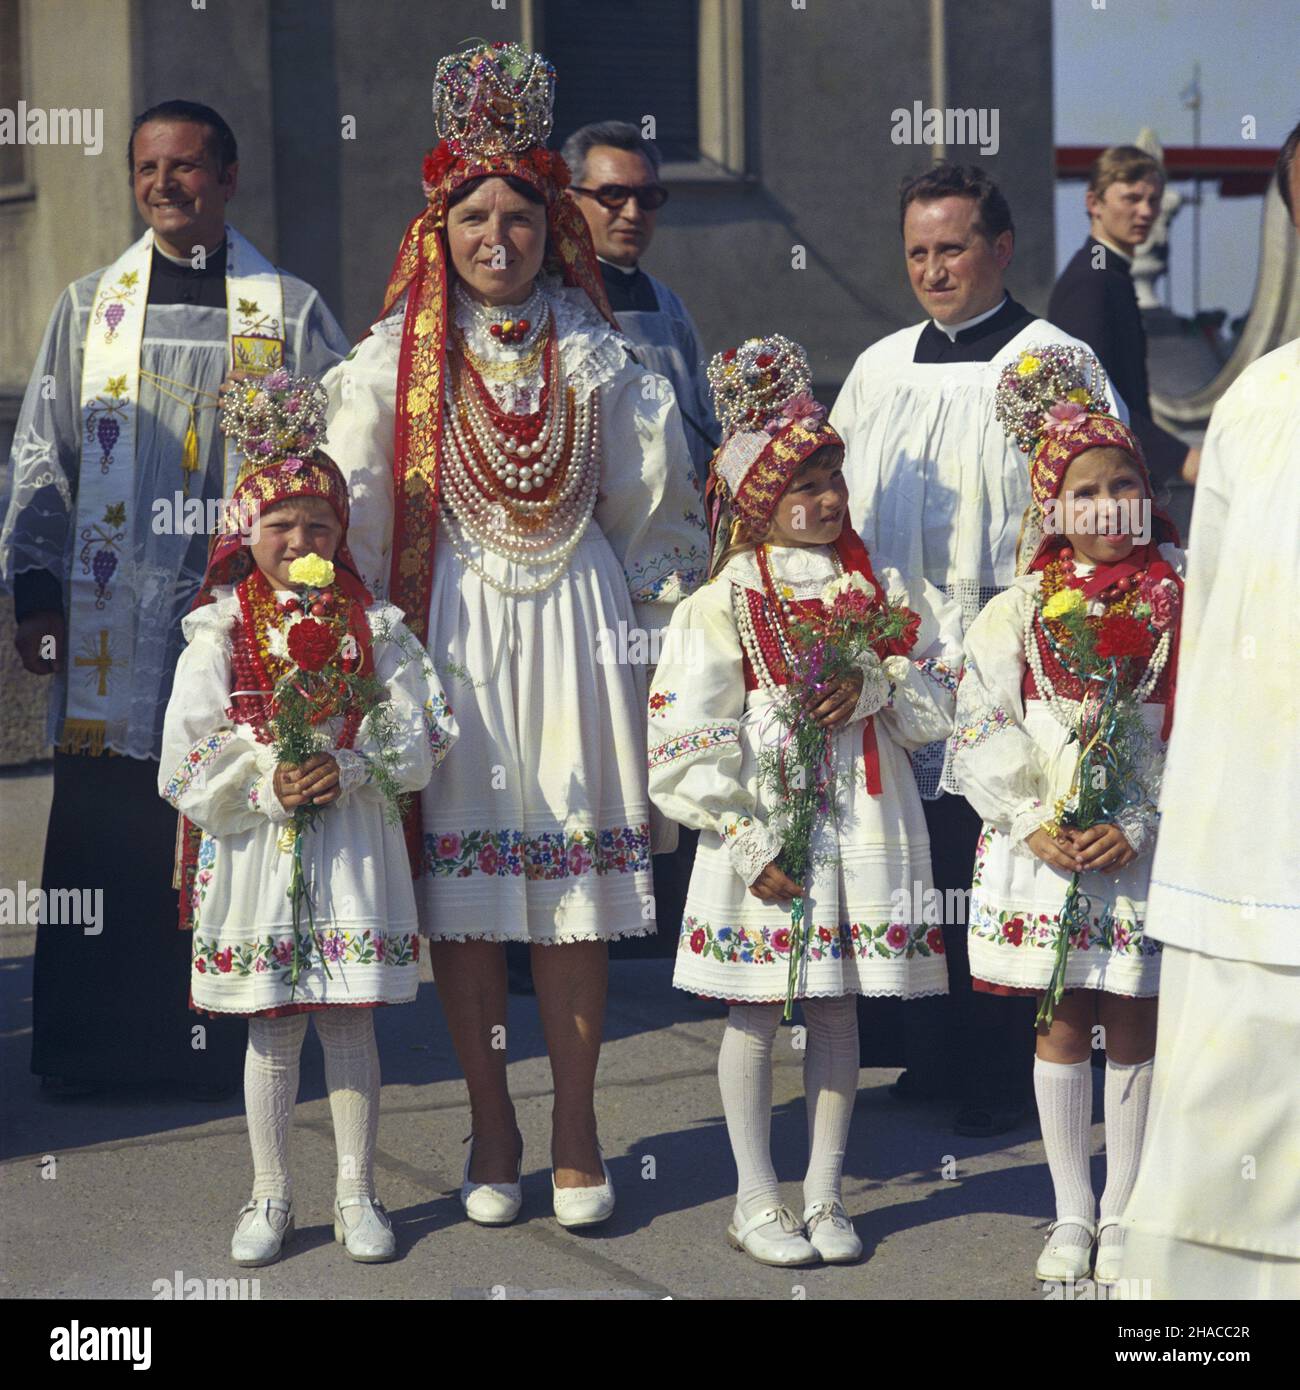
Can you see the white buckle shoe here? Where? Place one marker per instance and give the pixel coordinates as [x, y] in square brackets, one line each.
[261, 1240]
[831, 1233]
[773, 1236]
[1105, 1270]
[491, 1203]
[1061, 1263]
[369, 1239]
[584, 1206]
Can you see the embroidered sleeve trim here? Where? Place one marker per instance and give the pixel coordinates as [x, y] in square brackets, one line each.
[193, 768]
[970, 736]
[939, 672]
[694, 741]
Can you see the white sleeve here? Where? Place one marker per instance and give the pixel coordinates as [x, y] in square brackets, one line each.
[993, 761]
[360, 419]
[211, 769]
[413, 729]
[649, 506]
[919, 708]
[697, 701]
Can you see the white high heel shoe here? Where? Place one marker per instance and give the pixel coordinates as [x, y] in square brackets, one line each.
[773, 1236]
[1062, 1263]
[584, 1206]
[831, 1233]
[369, 1239]
[491, 1203]
[261, 1240]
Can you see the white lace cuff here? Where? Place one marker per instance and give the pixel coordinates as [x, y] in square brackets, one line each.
[752, 847]
[1138, 824]
[1023, 825]
[354, 770]
[877, 687]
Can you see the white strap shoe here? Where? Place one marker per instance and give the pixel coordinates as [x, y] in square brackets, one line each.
[367, 1234]
[1106, 1269]
[831, 1233]
[491, 1203]
[1060, 1262]
[773, 1236]
[265, 1223]
[584, 1206]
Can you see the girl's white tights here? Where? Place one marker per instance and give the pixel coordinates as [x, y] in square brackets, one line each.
[271, 1088]
[830, 1087]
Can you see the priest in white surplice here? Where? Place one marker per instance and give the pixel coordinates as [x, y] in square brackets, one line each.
[937, 489]
[1216, 1210]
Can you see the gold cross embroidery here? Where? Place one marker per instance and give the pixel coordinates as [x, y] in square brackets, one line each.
[101, 660]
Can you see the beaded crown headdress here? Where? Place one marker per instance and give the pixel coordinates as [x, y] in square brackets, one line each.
[762, 392]
[1052, 402]
[493, 99]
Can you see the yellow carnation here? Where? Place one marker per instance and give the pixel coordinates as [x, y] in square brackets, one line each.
[1063, 601]
[315, 571]
[1079, 396]
[1028, 365]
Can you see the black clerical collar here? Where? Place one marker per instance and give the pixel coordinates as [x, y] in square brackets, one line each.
[170, 283]
[980, 343]
[628, 292]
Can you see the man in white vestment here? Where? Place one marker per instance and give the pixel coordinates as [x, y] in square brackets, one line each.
[1216, 1209]
[937, 489]
[117, 472]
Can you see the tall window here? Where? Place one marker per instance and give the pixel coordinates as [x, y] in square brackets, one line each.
[676, 60]
[12, 162]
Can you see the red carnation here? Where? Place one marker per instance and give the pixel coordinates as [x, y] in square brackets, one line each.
[311, 644]
[764, 359]
[729, 355]
[1122, 636]
[903, 644]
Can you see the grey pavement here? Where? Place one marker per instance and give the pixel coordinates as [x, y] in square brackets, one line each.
[147, 1185]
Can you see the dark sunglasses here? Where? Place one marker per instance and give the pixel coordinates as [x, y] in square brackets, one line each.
[649, 196]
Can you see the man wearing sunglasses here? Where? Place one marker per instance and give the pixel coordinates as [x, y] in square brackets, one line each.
[616, 183]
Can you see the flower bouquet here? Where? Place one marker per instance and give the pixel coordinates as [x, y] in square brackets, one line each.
[1117, 655]
[858, 632]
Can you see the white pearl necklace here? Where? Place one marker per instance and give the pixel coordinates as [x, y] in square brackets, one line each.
[523, 531]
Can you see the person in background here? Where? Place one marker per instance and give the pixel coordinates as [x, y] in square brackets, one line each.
[616, 182]
[1094, 299]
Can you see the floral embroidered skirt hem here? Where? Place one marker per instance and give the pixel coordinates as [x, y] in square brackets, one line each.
[1014, 923]
[732, 946]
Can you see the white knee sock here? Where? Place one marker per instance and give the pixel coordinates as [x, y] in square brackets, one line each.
[1064, 1094]
[1128, 1093]
[270, 1090]
[745, 1078]
[830, 1078]
[352, 1076]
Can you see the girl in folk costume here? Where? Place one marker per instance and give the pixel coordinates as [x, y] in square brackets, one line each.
[1063, 713]
[525, 495]
[788, 694]
[301, 711]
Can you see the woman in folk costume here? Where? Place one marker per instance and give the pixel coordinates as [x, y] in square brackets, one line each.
[821, 913]
[296, 882]
[1063, 713]
[523, 492]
